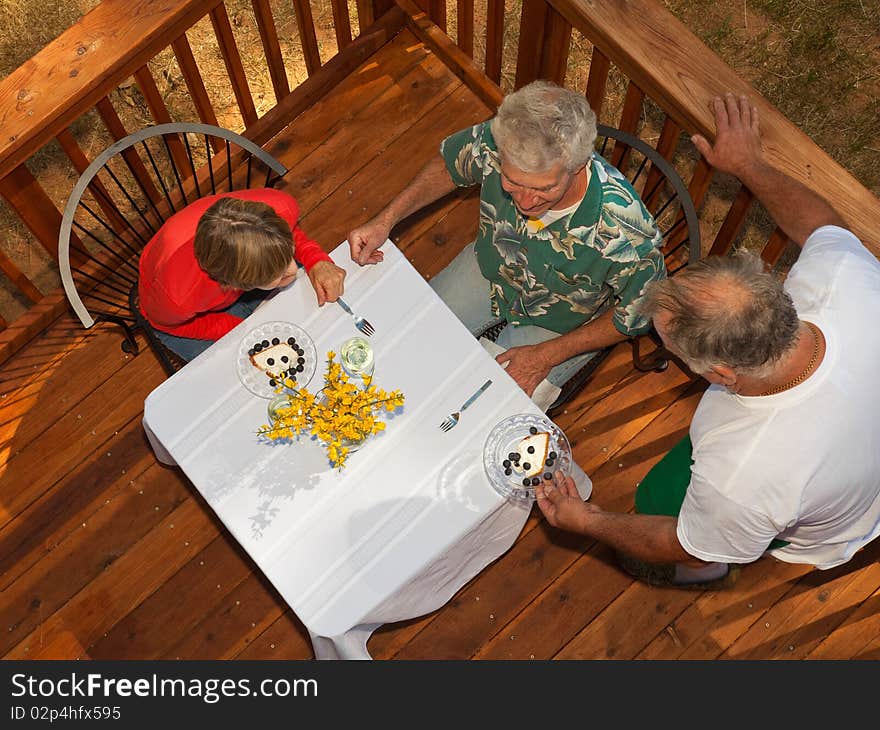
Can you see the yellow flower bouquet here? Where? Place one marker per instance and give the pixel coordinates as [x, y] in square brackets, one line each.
[340, 414]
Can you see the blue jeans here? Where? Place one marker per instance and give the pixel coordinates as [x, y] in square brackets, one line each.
[465, 291]
[189, 348]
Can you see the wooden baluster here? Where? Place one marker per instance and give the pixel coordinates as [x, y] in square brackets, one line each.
[234, 68]
[494, 39]
[33, 206]
[531, 38]
[697, 188]
[271, 47]
[775, 247]
[733, 222]
[556, 44]
[666, 147]
[24, 285]
[193, 78]
[102, 196]
[437, 13]
[341, 23]
[160, 113]
[366, 16]
[629, 122]
[465, 26]
[307, 35]
[134, 162]
[599, 67]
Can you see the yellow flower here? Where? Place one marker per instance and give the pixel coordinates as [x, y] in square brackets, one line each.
[346, 413]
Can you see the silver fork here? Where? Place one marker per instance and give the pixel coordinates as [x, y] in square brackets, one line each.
[359, 322]
[453, 419]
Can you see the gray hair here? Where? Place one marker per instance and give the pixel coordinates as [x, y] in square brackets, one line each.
[543, 124]
[726, 310]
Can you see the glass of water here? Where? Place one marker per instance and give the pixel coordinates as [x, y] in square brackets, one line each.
[356, 356]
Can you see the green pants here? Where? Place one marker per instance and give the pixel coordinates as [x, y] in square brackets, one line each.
[662, 491]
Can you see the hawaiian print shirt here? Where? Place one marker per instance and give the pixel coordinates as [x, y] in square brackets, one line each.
[602, 255]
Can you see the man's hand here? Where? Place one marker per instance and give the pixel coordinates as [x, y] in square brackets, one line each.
[528, 366]
[737, 148]
[327, 279]
[364, 242]
[562, 505]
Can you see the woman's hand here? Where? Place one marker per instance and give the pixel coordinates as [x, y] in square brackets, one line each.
[327, 279]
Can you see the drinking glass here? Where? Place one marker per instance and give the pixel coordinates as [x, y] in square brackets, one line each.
[356, 356]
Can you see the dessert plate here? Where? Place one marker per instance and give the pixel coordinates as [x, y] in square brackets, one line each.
[505, 439]
[268, 335]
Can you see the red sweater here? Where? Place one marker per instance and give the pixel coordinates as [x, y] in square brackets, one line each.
[177, 296]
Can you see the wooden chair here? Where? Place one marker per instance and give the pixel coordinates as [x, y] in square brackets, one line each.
[666, 196]
[122, 199]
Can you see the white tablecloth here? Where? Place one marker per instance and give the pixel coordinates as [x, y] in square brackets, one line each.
[411, 518]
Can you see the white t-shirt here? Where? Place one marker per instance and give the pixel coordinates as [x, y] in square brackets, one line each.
[802, 465]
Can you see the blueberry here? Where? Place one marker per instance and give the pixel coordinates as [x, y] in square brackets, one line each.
[527, 466]
[300, 360]
[265, 343]
[284, 358]
[290, 341]
[526, 482]
[533, 430]
[300, 351]
[270, 361]
[258, 347]
[547, 475]
[512, 456]
[507, 472]
[275, 340]
[506, 463]
[535, 481]
[531, 449]
[272, 382]
[549, 462]
[552, 454]
[299, 368]
[252, 352]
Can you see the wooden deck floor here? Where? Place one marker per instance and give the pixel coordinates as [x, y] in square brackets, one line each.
[105, 553]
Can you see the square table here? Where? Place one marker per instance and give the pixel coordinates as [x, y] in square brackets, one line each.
[411, 517]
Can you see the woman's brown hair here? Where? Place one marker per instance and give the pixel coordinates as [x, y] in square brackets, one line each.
[243, 244]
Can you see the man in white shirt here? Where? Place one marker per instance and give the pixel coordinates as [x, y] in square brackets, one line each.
[786, 440]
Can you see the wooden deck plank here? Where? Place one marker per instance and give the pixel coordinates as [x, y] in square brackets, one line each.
[234, 623]
[178, 605]
[45, 523]
[717, 619]
[814, 607]
[81, 557]
[76, 435]
[858, 637]
[127, 581]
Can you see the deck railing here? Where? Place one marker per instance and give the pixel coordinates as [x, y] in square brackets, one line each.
[668, 77]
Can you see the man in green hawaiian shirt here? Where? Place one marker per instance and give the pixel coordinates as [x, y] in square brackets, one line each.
[565, 247]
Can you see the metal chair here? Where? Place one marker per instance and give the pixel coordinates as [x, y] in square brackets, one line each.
[122, 199]
[666, 196]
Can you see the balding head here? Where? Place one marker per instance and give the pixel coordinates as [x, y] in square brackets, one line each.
[725, 311]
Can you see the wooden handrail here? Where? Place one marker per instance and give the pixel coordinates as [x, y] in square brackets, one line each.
[48, 92]
[672, 66]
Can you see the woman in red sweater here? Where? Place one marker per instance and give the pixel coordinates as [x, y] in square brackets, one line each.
[212, 263]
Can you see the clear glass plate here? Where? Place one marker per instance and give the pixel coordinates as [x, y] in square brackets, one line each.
[257, 381]
[504, 439]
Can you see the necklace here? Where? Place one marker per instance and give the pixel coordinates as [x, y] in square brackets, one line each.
[807, 370]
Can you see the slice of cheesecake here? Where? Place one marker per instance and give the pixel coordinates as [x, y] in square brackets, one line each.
[275, 359]
[532, 451]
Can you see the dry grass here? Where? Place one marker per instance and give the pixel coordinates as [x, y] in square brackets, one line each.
[817, 61]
